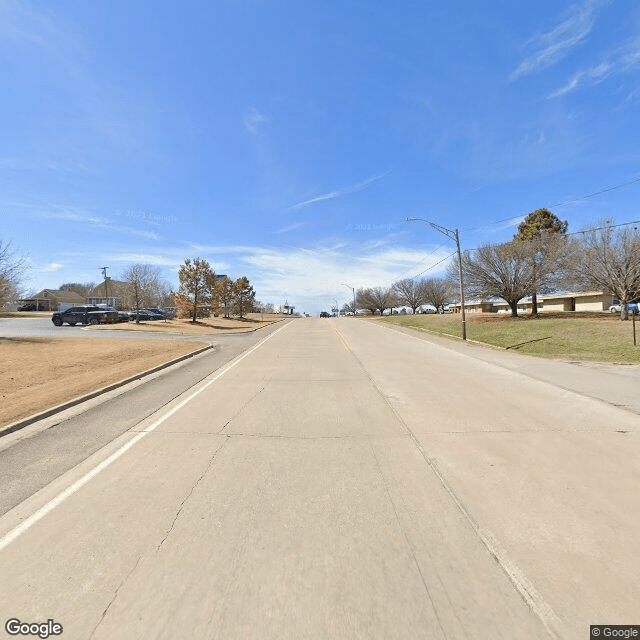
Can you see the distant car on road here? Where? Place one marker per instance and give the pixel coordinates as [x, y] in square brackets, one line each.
[85, 314]
[632, 307]
[325, 314]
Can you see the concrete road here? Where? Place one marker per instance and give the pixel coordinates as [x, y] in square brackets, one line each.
[340, 479]
[37, 454]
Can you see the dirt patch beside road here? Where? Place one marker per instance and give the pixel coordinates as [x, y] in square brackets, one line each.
[38, 373]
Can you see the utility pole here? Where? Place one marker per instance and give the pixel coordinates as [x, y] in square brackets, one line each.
[106, 292]
[452, 234]
[354, 295]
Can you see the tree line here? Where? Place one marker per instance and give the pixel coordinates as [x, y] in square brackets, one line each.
[437, 292]
[541, 258]
[200, 293]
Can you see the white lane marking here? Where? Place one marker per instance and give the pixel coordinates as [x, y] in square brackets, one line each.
[16, 532]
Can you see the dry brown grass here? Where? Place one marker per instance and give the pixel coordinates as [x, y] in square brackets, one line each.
[38, 373]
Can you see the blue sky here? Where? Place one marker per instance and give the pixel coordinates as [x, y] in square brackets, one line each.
[288, 141]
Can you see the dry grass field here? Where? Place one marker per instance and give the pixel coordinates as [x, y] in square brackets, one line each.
[38, 373]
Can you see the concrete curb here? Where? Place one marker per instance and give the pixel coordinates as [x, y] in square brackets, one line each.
[402, 329]
[230, 332]
[19, 424]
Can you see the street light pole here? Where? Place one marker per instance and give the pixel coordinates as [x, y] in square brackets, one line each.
[453, 234]
[354, 295]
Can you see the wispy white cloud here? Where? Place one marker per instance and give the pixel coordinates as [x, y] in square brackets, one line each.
[332, 195]
[73, 216]
[632, 97]
[592, 76]
[623, 60]
[550, 47]
[24, 26]
[78, 215]
[253, 120]
[496, 228]
[156, 259]
[311, 278]
[291, 227]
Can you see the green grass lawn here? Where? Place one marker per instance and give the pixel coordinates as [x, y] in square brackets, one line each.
[599, 337]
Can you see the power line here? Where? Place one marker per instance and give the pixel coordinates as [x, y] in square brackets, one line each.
[434, 265]
[597, 193]
[564, 203]
[426, 255]
[609, 226]
[574, 233]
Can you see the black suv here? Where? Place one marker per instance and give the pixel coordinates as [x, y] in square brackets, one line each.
[85, 314]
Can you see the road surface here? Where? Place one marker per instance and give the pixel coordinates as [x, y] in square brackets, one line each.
[339, 479]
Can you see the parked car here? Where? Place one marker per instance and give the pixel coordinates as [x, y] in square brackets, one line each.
[632, 307]
[85, 314]
[123, 316]
[165, 313]
[144, 314]
[31, 307]
[325, 314]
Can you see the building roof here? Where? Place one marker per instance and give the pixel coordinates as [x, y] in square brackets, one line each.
[59, 295]
[575, 294]
[115, 287]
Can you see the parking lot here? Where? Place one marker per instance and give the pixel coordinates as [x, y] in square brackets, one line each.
[44, 328]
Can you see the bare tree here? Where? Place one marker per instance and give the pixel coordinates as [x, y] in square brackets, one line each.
[12, 273]
[365, 300]
[514, 270]
[438, 292]
[144, 286]
[197, 284]
[608, 259]
[498, 271]
[383, 298]
[164, 294]
[81, 288]
[409, 292]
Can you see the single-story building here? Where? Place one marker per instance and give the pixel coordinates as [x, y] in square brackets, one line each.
[568, 301]
[474, 306]
[54, 299]
[578, 301]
